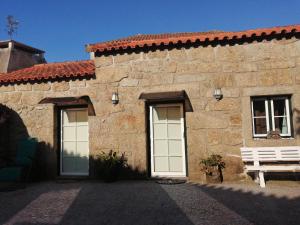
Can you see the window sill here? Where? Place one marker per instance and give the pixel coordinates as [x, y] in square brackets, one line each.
[264, 138]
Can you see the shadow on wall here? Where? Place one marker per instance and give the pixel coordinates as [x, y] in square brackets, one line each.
[12, 130]
[46, 165]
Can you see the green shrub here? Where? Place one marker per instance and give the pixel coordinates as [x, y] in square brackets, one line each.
[213, 160]
[109, 165]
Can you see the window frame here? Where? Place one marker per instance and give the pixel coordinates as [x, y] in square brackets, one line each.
[270, 117]
[287, 108]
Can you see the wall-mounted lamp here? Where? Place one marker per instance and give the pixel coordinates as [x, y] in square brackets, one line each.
[218, 95]
[115, 98]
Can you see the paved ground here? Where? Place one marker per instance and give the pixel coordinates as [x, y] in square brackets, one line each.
[146, 202]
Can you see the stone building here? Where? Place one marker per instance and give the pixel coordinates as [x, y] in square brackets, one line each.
[164, 116]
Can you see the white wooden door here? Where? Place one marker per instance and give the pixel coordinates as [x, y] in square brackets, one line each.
[167, 141]
[74, 142]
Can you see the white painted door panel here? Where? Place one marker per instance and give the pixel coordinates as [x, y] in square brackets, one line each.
[74, 142]
[167, 140]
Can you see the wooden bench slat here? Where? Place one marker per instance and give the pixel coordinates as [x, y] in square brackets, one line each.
[256, 155]
[274, 168]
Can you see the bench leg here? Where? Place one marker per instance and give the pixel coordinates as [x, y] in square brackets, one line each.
[261, 179]
[256, 177]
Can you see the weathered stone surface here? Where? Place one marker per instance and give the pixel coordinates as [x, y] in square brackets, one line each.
[204, 54]
[273, 90]
[197, 142]
[104, 142]
[3, 98]
[230, 53]
[103, 61]
[235, 120]
[128, 123]
[192, 89]
[232, 137]
[60, 86]
[41, 87]
[14, 97]
[214, 137]
[267, 79]
[112, 74]
[186, 78]
[7, 88]
[231, 92]
[239, 67]
[205, 120]
[234, 168]
[198, 104]
[121, 58]
[152, 66]
[170, 67]
[156, 79]
[221, 80]
[267, 65]
[199, 67]
[298, 78]
[273, 77]
[129, 82]
[23, 87]
[225, 104]
[77, 83]
[161, 54]
[297, 60]
[245, 79]
[178, 54]
[197, 150]
[284, 77]
[31, 98]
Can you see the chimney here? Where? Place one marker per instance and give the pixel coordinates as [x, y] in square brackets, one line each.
[15, 55]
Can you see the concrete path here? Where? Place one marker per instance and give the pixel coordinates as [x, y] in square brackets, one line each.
[149, 203]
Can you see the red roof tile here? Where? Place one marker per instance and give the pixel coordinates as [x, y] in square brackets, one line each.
[148, 40]
[50, 71]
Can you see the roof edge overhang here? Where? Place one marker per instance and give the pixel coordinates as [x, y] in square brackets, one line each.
[19, 45]
[168, 97]
[71, 101]
[165, 40]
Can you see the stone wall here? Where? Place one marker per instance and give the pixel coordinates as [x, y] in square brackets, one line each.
[263, 68]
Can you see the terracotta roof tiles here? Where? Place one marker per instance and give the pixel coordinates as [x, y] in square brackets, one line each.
[51, 71]
[148, 40]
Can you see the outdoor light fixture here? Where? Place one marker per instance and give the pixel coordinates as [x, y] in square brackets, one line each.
[218, 94]
[115, 98]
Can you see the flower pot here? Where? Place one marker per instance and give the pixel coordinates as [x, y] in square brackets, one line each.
[214, 175]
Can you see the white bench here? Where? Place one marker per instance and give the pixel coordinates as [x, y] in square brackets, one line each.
[282, 156]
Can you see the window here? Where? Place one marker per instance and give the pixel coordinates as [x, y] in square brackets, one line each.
[270, 114]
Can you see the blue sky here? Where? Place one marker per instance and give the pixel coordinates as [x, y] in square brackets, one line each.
[63, 27]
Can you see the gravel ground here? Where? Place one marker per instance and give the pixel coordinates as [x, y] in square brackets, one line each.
[146, 202]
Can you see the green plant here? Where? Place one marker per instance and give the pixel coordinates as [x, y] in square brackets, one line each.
[110, 164]
[213, 165]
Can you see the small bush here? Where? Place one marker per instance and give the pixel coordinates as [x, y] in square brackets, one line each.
[109, 165]
[212, 166]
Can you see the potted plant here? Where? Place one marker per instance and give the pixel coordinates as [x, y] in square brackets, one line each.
[109, 165]
[212, 166]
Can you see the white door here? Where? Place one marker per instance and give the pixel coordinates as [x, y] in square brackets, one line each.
[74, 142]
[167, 141]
